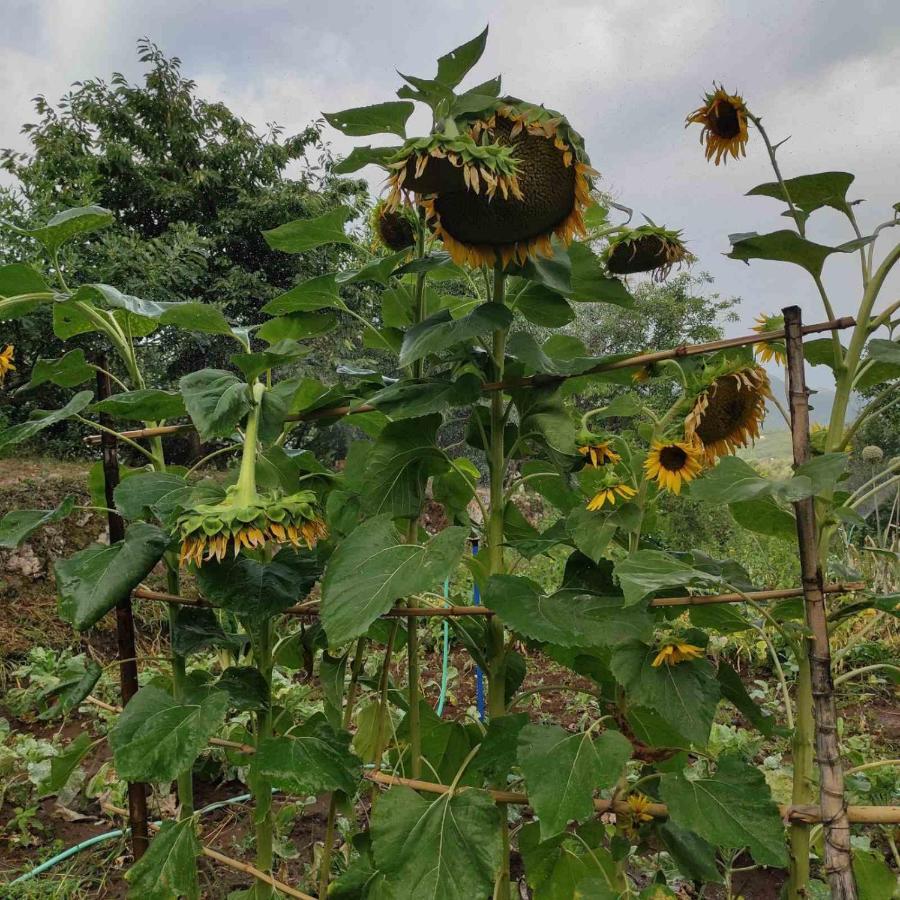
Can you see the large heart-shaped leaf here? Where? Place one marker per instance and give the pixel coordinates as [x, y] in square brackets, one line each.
[730, 809]
[785, 246]
[590, 283]
[69, 224]
[69, 370]
[169, 867]
[441, 331]
[563, 770]
[408, 399]
[216, 401]
[94, 580]
[306, 234]
[259, 589]
[443, 849]
[309, 760]
[42, 419]
[544, 307]
[455, 65]
[380, 118]
[159, 493]
[64, 765]
[646, 571]
[372, 568]
[17, 279]
[156, 738]
[684, 695]
[147, 404]
[316, 293]
[809, 192]
[360, 157]
[569, 618]
[19, 524]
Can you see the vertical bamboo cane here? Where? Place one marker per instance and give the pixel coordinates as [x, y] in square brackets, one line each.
[831, 777]
[128, 673]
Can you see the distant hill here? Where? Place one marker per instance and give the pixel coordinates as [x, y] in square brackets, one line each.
[820, 404]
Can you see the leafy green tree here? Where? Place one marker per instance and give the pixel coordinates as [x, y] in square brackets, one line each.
[192, 186]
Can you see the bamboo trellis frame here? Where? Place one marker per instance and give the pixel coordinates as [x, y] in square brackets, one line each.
[812, 588]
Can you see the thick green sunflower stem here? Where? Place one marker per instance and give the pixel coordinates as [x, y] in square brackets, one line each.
[261, 637]
[246, 484]
[496, 649]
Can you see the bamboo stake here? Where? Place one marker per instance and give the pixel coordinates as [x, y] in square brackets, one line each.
[128, 673]
[831, 778]
[311, 608]
[642, 359]
[228, 861]
[883, 815]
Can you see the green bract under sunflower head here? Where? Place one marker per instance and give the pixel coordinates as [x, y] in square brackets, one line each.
[648, 248]
[210, 530]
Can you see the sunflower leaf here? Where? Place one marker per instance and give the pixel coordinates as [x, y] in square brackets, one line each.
[785, 246]
[359, 157]
[18, 525]
[452, 67]
[301, 235]
[169, 867]
[810, 192]
[379, 118]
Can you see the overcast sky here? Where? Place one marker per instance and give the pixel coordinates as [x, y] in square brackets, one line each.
[626, 72]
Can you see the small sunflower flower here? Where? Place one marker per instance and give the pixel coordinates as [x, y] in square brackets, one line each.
[599, 454]
[638, 806]
[6, 361]
[724, 120]
[609, 493]
[673, 652]
[644, 373]
[769, 350]
[673, 463]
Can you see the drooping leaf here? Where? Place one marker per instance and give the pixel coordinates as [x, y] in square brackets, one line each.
[524, 347]
[556, 868]
[443, 849]
[301, 235]
[648, 571]
[810, 192]
[764, 516]
[444, 744]
[591, 533]
[156, 738]
[68, 224]
[298, 326]
[147, 404]
[359, 157]
[197, 628]
[17, 279]
[19, 524]
[42, 419]
[69, 370]
[378, 269]
[168, 870]
[824, 471]
[569, 618]
[731, 809]
[590, 282]
[544, 307]
[316, 293]
[563, 770]
[372, 568]
[64, 765]
[695, 857]
[409, 399]
[683, 695]
[399, 464]
[215, 400]
[734, 691]
[259, 589]
[498, 752]
[72, 691]
[380, 118]
[94, 580]
[874, 880]
[157, 493]
[441, 331]
[785, 246]
[281, 353]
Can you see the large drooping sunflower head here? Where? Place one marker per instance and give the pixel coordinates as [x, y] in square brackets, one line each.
[727, 412]
[671, 463]
[547, 199]
[770, 350]
[724, 120]
[394, 228]
[213, 530]
[648, 248]
[6, 361]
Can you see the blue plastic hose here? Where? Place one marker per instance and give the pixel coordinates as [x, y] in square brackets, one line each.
[479, 675]
[445, 669]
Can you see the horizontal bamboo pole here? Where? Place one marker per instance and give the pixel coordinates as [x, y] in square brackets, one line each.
[311, 608]
[874, 815]
[224, 860]
[642, 359]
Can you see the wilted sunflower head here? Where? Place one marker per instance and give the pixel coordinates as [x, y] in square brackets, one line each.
[6, 361]
[393, 228]
[673, 463]
[724, 120]
[672, 652]
[212, 530]
[726, 414]
[598, 453]
[647, 249]
[551, 191]
[769, 350]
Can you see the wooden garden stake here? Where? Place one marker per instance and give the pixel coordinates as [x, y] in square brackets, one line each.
[128, 673]
[835, 821]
